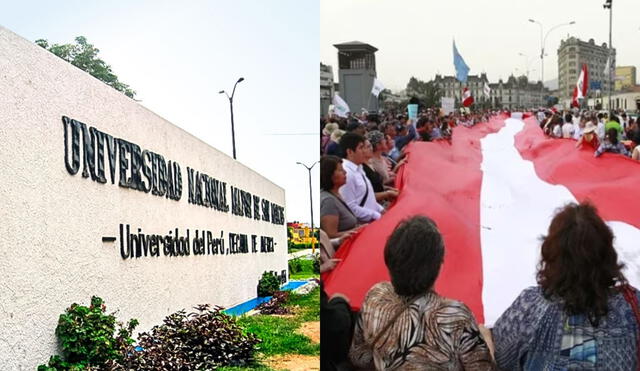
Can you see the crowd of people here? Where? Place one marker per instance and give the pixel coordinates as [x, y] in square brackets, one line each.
[614, 132]
[581, 315]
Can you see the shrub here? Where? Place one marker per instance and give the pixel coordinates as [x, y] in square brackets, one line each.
[206, 339]
[295, 265]
[86, 335]
[268, 284]
[275, 304]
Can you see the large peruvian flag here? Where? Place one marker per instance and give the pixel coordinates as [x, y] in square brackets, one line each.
[493, 191]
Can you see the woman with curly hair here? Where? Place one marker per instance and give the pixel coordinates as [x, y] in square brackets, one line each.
[582, 315]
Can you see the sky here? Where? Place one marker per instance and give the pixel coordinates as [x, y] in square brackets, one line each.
[177, 56]
[415, 38]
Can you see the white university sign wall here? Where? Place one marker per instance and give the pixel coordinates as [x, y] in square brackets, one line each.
[100, 196]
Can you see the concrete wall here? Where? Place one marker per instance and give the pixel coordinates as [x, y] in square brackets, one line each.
[53, 222]
[355, 89]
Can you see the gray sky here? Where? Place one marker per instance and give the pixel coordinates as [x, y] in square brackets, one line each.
[178, 55]
[415, 38]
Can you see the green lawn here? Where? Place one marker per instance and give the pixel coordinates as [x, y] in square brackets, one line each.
[278, 334]
[302, 269]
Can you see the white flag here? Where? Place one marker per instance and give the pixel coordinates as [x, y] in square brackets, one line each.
[607, 66]
[377, 87]
[341, 108]
[487, 89]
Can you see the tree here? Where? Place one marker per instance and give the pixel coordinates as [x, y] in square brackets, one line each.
[85, 56]
[428, 92]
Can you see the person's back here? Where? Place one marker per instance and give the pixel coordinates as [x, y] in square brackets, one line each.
[434, 333]
[581, 315]
[404, 324]
[536, 332]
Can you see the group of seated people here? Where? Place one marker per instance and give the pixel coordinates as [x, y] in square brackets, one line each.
[601, 132]
[582, 315]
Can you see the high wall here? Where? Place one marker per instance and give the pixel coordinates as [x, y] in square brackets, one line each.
[86, 172]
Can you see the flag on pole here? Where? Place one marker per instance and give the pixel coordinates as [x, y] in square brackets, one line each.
[377, 87]
[462, 70]
[487, 89]
[467, 98]
[580, 90]
[341, 108]
[492, 246]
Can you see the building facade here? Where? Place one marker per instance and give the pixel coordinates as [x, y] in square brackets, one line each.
[450, 87]
[518, 93]
[356, 72]
[574, 52]
[326, 88]
[625, 78]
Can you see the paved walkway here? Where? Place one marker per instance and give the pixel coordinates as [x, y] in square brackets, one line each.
[301, 253]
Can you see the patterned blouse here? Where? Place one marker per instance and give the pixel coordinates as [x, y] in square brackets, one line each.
[607, 146]
[434, 333]
[536, 334]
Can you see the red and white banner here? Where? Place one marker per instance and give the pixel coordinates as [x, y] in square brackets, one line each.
[492, 192]
[580, 90]
[467, 98]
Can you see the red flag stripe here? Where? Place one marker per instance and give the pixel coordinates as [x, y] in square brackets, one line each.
[453, 201]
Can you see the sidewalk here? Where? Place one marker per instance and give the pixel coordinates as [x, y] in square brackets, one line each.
[301, 253]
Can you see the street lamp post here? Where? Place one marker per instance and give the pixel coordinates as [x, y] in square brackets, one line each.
[313, 246]
[542, 43]
[607, 5]
[233, 131]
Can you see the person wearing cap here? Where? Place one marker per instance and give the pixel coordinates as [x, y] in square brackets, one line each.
[328, 129]
[589, 137]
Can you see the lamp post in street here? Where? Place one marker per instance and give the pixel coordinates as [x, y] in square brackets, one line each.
[543, 40]
[233, 132]
[607, 5]
[313, 246]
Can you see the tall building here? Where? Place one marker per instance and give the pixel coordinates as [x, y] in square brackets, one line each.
[452, 88]
[625, 78]
[326, 88]
[356, 71]
[518, 93]
[572, 53]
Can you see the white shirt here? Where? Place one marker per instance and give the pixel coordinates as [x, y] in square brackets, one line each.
[600, 130]
[354, 190]
[557, 131]
[578, 131]
[567, 130]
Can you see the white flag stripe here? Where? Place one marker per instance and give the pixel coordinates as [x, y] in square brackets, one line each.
[518, 206]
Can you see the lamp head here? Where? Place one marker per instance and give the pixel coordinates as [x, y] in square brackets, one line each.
[240, 79]
[531, 20]
[221, 92]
